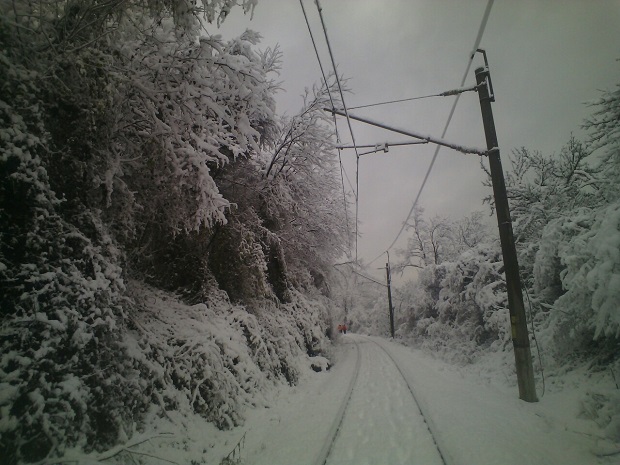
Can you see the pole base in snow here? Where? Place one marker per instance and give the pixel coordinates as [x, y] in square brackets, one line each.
[525, 374]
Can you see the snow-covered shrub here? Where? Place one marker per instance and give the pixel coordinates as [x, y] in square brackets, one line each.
[603, 407]
[215, 359]
[585, 249]
[459, 308]
[238, 259]
[65, 381]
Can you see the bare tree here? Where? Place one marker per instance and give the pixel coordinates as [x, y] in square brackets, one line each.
[427, 244]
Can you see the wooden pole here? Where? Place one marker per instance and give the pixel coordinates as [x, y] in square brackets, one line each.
[389, 288]
[518, 323]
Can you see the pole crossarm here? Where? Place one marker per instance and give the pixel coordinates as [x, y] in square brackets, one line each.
[415, 135]
[381, 145]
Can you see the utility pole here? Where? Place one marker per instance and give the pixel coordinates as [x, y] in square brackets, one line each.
[518, 323]
[389, 289]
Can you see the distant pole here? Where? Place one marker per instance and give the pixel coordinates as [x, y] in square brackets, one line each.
[518, 323]
[389, 289]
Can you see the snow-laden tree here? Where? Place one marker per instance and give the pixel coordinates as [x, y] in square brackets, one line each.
[289, 199]
[559, 206]
[542, 187]
[435, 240]
[303, 196]
[113, 116]
[427, 241]
[185, 108]
[576, 266]
[604, 139]
[459, 307]
[187, 112]
[64, 379]
[586, 293]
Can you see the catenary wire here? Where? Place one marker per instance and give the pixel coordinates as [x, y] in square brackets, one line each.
[447, 93]
[542, 371]
[344, 106]
[386, 144]
[393, 101]
[481, 29]
[343, 172]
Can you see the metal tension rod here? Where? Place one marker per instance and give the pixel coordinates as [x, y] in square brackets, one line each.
[415, 135]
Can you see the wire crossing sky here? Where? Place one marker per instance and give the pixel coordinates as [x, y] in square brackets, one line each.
[335, 70]
[344, 105]
[547, 59]
[329, 93]
[483, 25]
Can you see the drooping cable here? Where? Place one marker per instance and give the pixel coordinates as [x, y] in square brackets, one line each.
[542, 371]
[481, 29]
[441, 94]
[327, 88]
[393, 101]
[344, 106]
[342, 175]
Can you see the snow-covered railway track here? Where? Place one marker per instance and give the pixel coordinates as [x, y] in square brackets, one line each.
[333, 432]
[380, 419]
[427, 420]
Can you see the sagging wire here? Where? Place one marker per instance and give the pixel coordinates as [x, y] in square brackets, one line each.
[357, 160]
[542, 372]
[447, 93]
[481, 29]
[343, 173]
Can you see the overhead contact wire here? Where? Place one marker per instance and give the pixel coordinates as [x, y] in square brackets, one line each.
[327, 88]
[344, 106]
[481, 29]
[447, 93]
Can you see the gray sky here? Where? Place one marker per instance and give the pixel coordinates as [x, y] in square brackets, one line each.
[547, 59]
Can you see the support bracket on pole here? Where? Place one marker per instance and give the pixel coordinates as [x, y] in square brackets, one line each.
[486, 65]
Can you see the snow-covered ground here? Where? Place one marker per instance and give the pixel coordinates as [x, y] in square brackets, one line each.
[475, 419]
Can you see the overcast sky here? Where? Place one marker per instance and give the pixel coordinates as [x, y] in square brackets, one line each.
[547, 59]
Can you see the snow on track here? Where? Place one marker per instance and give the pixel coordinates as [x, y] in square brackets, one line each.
[382, 423]
[360, 412]
[334, 430]
[299, 425]
[474, 421]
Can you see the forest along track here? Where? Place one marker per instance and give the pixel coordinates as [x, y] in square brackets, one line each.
[377, 421]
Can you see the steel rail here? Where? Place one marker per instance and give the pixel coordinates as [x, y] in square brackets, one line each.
[427, 420]
[337, 423]
[322, 458]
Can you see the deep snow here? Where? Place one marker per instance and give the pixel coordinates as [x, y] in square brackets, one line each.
[477, 418]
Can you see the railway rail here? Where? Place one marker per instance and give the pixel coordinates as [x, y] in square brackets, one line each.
[348, 417]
